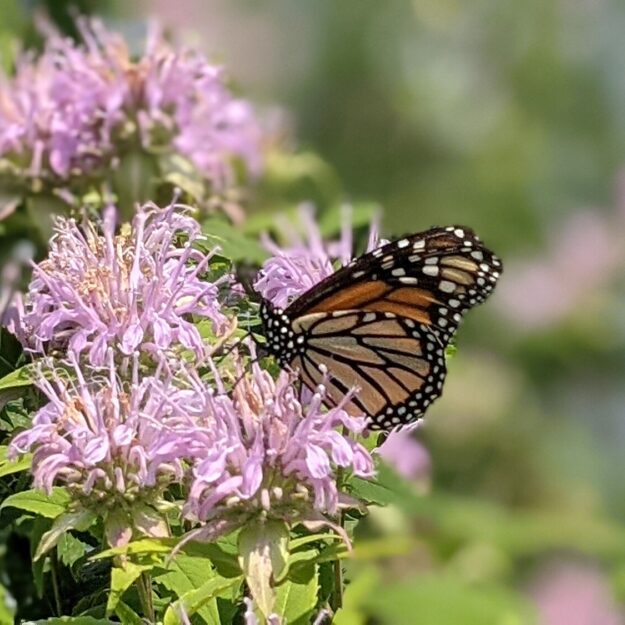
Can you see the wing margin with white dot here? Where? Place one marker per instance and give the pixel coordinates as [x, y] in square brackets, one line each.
[433, 277]
[396, 364]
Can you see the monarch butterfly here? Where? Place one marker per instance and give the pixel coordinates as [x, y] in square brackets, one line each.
[382, 323]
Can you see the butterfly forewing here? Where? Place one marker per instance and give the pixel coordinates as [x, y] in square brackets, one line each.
[432, 277]
[381, 324]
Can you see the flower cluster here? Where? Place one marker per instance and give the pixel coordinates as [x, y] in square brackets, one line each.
[129, 416]
[103, 439]
[76, 109]
[263, 448]
[131, 291]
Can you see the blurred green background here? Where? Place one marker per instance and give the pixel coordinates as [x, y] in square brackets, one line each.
[508, 117]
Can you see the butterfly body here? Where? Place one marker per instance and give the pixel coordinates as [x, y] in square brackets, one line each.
[381, 323]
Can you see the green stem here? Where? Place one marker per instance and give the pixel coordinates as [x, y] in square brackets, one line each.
[55, 583]
[144, 589]
[337, 595]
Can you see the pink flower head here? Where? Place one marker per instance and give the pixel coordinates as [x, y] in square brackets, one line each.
[102, 440]
[292, 270]
[575, 594]
[265, 449]
[71, 111]
[406, 454]
[132, 291]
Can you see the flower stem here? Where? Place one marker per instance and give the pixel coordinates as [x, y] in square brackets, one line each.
[144, 589]
[337, 595]
[55, 583]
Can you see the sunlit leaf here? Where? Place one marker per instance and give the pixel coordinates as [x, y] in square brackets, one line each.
[296, 597]
[194, 600]
[38, 502]
[122, 578]
[80, 520]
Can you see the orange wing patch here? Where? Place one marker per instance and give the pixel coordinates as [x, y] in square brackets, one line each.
[352, 297]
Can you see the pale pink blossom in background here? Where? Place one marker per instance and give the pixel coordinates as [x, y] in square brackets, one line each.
[585, 254]
[407, 455]
[575, 594]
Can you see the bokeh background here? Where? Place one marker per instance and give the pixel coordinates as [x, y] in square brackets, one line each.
[508, 117]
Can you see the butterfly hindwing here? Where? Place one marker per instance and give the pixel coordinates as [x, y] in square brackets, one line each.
[396, 364]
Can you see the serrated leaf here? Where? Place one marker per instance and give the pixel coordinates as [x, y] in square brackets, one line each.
[296, 597]
[80, 520]
[187, 573]
[142, 546]
[194, 600]
[122, 578]
[38, 502]
[263, 554]
[70, 549]
[19, 378]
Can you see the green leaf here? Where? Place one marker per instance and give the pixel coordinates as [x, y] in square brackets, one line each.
[70, 549]
[127, 615]
[296, 598]
[347, 616]
[142, 546]
[187, 573]
[80, 520]
[40, 525]
[386, 488]
[122, 578]
[194, 600]
[18, 378]
[72, 620]
[8, 467]
[263, 554]
[233, 243]
[38, 502]
[7, 607]
[444, 600]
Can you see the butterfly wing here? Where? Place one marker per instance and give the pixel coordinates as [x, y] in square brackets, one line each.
[397, 364]
[432, 277]
[381, 324]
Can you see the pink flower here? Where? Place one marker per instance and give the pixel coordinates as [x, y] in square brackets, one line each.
[406, 454]
[586, 254]
[75, 109]
[132, 291]
[294, 269]
[265, 449]
[575, 595]
[104, 440]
